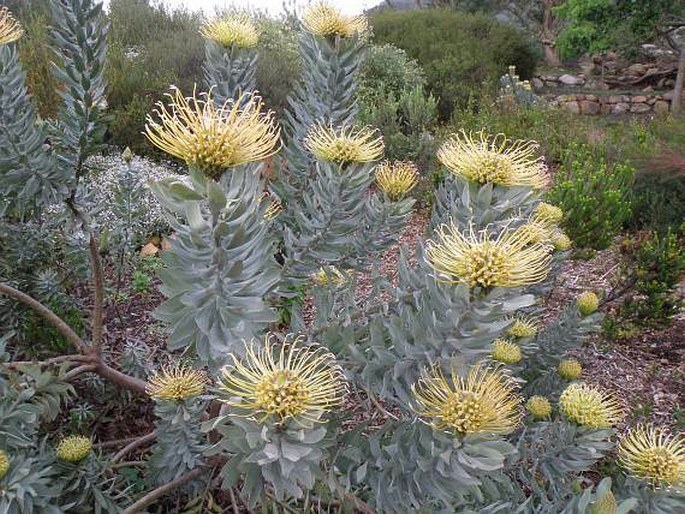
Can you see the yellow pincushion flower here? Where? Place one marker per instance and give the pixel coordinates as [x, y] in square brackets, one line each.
[561, 241]
[484, 159]
[480, 261]
[396, 178]
[213, 138]
[176, 383]
[10, 28]
[323, 19]
[329, 276]
[345, 144]
[4, 464]
[548, 214]
[589, 406]
[74, 448]
[235, 30]
[536, 232]
[650, 453]
[506, 351]
[282, 383]
[523, 327]
[570, 369]
[485, 401]
[275, 207]
[607, 504]
[539, 407]
[587, 303]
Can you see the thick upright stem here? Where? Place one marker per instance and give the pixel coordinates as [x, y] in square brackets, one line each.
[676, 103]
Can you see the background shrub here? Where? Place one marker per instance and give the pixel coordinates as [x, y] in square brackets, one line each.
[462, 54]
[594, 195]
[392, 98]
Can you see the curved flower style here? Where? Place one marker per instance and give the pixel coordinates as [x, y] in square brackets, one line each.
[10, 28]
[523, 327]
[589, 406]
[570, 369]
[345, 144]
[493, 159]
[213, 138]
[536, 232]
[4, 464]
[234, 30]
[290, 382]
[587, 303]
[547, 214]
[323, 19]
[74, 448]
[649, 453]
[539, 407]
[485, 401]
[479, 261]
[176, 383]
[396, 178]
[506, 351]
[328, 275]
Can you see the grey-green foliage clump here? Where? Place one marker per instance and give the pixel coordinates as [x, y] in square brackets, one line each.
[409, 399]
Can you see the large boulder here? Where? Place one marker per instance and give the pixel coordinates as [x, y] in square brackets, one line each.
[570, 80]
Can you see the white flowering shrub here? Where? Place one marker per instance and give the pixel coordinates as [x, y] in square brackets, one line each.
[438, 392]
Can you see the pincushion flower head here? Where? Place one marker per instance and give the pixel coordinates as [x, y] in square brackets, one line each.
[323, 19]
[479, 260]
[210, 137]
[396, 178]
[328, 276]
[547, 214]
[587, 303]
[10, 28]
[570, 369]
[345, 144]
[536, 232]
[235, 29]
[281, 383]
[506, 351]
[4, 464]
[650, 453]
[589, 406]
[176, 383]
[484, 401]
[523, 327]
[74, 448]
[539, 407]
[561, 241]
[495, 159]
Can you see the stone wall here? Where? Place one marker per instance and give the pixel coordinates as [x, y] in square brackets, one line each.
[594, 105]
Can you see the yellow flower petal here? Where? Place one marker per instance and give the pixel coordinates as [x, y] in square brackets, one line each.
[345, 145]
[495, 159]
[213, 138]
[650, 453]
[176, 383]
[323, 19]
[396, 178]
[282, 383]
[234, 30]
[480, 261]
[485, 401]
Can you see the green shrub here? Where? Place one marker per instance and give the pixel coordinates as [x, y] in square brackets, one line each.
[36, 57]
[657, 265]
[462, 54]
[594, 194]
[392, 98]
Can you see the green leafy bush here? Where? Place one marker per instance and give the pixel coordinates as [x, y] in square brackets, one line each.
[392, 98]
[462, 55]
[657, 263]
[594, 195]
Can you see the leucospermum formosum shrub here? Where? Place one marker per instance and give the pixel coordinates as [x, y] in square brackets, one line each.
[437, 392]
